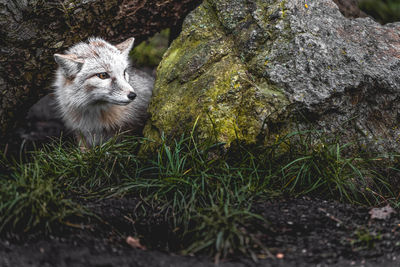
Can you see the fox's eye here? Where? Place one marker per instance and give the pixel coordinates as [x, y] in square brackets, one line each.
[103, 75]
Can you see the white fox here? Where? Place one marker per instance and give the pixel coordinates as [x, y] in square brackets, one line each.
[98, 94]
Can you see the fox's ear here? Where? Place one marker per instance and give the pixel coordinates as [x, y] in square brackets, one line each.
[126, 46]
[70, 64]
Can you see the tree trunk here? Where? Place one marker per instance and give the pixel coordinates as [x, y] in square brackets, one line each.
[32, 31]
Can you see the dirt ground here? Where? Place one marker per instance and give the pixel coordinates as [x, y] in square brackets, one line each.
[302, 232]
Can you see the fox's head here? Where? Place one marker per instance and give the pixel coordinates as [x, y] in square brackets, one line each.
[95, 72]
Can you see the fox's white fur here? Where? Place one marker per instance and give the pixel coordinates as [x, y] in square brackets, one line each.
[95, 90]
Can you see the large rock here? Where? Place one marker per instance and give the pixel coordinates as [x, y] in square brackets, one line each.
[252, 70]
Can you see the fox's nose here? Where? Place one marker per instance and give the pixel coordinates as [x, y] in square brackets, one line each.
[132, 95]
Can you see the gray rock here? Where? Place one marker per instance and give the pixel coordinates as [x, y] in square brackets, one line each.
[249, 69]
[340, 70]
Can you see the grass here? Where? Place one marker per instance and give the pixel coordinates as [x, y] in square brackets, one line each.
[330, 168]
[203, 192]
[29, 201]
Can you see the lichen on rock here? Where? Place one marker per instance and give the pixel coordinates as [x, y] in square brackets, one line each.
[240, 67]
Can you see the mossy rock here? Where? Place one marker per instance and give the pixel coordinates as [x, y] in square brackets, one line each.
[201, 79]
[254, 70]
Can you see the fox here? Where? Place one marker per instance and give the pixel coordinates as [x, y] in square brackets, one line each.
[98, 94]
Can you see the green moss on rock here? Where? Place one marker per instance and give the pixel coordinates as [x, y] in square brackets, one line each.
[203, 78]
[150, 52]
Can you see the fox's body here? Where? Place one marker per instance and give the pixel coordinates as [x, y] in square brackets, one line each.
[98, 93]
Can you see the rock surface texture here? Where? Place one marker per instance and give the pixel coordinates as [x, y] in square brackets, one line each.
[252, 70]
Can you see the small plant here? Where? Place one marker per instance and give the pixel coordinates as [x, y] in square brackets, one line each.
[364, 239]
[222, 230]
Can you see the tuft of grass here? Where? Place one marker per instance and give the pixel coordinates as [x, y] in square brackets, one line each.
[42, 192]
[225, 229]
[326, 167]
[90, 171]
[205, 200]
[29, 200]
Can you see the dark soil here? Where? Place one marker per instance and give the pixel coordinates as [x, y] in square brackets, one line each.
[303, 232]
